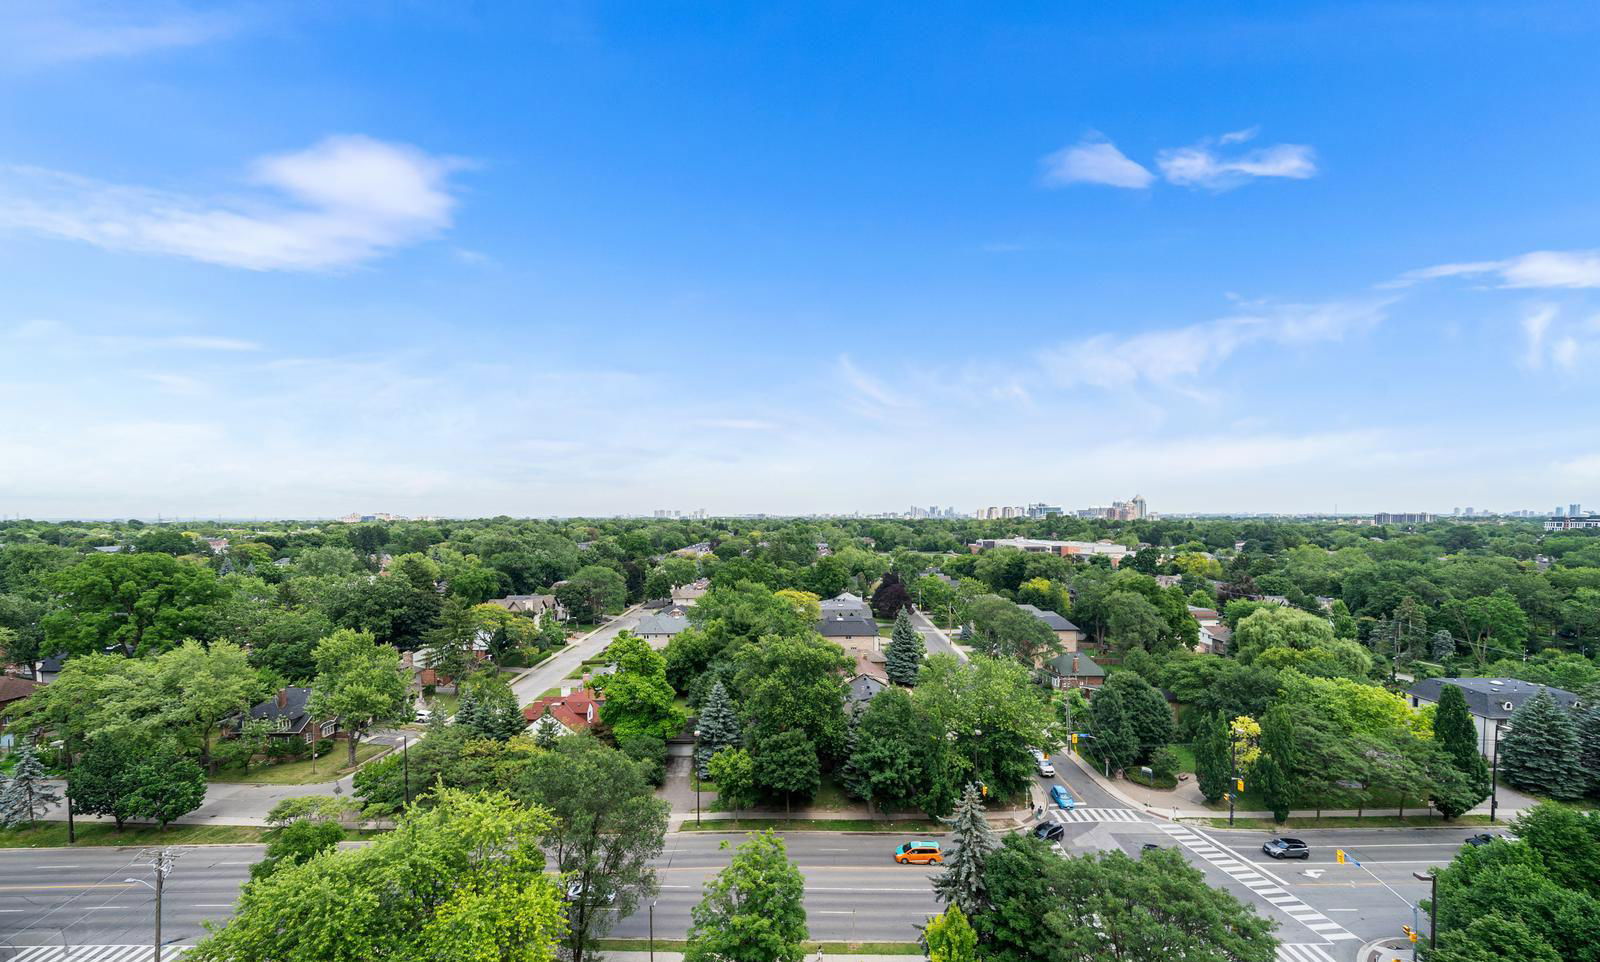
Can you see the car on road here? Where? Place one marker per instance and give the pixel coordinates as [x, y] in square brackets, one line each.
[576, 892]
[1149, 847]
[1059, 796]
[1480, 839]
[919, 853]
[1051, 831]
[1045, 768]
[1287, 848]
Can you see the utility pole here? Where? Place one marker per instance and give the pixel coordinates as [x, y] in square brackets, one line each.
[161, 862]
[1233, 755]
[1494, 775]
[405, 768]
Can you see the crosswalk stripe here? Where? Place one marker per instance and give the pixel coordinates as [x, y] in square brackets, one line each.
[88, 953]
[1302, 952]
[1261, 883]
[1099, 815]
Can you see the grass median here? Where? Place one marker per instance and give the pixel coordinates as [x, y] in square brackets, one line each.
[916, 827]
[93, 834]
[1345, 821]
[826, 948]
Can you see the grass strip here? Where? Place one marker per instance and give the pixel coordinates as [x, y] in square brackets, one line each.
[866, 825]
[54, 835]
[1346, 821]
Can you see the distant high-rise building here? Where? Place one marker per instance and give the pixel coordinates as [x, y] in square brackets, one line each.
[1573, 510]
[1139, 508]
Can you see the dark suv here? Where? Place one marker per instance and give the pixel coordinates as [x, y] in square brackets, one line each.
[1287, 848]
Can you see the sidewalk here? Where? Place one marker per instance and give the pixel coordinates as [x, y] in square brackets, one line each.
[1185, 801]
[661, 955]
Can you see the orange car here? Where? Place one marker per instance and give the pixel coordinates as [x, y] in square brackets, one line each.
[919, 853]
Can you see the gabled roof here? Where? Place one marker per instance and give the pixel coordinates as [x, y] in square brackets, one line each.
[292, 711]
[1075, 664]
[575, 712]
[1489, 697]
[12, 688]
[660, 625]
[1050, 618]
[847, 627]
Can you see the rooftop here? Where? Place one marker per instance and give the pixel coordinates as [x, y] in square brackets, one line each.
[1492, 697]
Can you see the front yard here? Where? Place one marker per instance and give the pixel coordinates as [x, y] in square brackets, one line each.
[303, 772]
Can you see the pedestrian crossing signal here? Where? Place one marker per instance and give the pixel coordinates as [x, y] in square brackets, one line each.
[1074, 738]
[1338, 853]
[1240, 783]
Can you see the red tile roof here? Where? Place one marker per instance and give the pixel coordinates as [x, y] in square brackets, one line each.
[576, 711]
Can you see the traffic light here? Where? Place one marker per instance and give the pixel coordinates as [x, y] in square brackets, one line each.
[1338, 853]
[1410, 932]
[1240, 783]
[984, 789]
[1074, 738]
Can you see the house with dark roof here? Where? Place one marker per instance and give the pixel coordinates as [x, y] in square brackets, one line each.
[1074, 669]
[1492, 701]
[288, 712]
[1066, 632]
[855, 634]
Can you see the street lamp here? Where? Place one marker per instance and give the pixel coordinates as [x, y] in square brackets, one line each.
[652, 930]
[1433, 906]
[695, 770]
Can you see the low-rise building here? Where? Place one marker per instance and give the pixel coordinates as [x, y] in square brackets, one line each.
[1492, 701]
[574, 712]
[288, 710]
[690, 593]
[1214, 639]
[1074, 669]
[659, 629]
[1066, 632]
[1067, 549]
[855, 634]
[536, 606]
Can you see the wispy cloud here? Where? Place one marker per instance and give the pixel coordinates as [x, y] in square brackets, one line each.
[42, 33]
[1535, 324]
[874, 393]
[735, 424]
[1537, 269]
[1203, 165]
[1175, 357]
[337, 204]
[1094, 160]
[211, 343]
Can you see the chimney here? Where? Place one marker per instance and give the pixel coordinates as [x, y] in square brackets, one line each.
[1074, 663]
[283, 698]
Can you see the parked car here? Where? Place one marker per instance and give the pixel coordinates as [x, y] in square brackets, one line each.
[1046, 768]
[919, 853]
[1480, 839]
[1051, 831]
[1287, 848]
[1058, 795]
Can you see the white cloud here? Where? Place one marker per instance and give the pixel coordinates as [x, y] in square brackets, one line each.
[869, 389]
[735, 424]
[38, 33]
[1537, 269]
[1094, 161]
[1174, 356]
[212, 343]
[1565, 353]
[1200, 165]
[1535, 323]
[344, 201]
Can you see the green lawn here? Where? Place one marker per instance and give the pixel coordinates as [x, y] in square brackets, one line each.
[444, 703]
[830, 797]
[1369, 821]
[303, 772]
[54, 834]
[917, 827]
[1185, 755]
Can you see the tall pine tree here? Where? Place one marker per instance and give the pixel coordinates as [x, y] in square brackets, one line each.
[719, 727]
[1456, 791]
[1540, 751]
[28, 796]
[906, 652]
[1587, 720]
[961, 883]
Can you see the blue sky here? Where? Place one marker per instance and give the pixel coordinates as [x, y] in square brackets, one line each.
[566, 258]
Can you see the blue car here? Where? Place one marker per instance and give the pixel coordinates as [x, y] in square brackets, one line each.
[1058, 794]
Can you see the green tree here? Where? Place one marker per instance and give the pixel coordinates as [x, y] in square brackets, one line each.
[140, 603]
[1586, 719]
[753, 910]
[1115, 742]
[887, 763]
[949, 937]
[1535, 915]
[165, 786]
[604, 588]
[1213, 764]
[786, 764]
[1568, 843]
[718, 727]
[202, 686]
[734, 773]
[1275, 772]
[26, 795]
[1466, 782]
[360, 683]
[609, 827]
[906, 652]
[1132, 622]
[1488, 621]
[298, 841]
[1109, 906]
[1004, 630]
[981, 716]
[794, 683]
[102, 781]
[1539, 752]
[463, 881]
[639, 701]
[1149, 715]
[962, 883]
[488, 708]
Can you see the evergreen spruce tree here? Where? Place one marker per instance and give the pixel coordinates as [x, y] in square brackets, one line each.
[906, 652]
[1453, 727]
[961, 883]
[719, 727]
[1587, 720]
[1212, 764]
[546, 730]
[1466, 784]
[27, 796]
[1273, 781]
[1540, 751]
[1443, 645]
